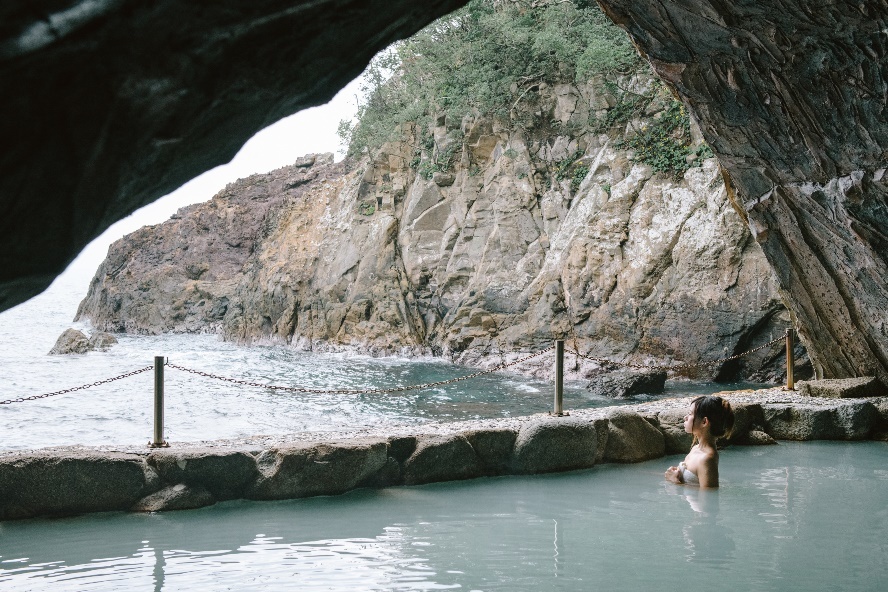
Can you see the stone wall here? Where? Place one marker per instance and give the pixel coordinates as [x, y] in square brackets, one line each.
[67, 481]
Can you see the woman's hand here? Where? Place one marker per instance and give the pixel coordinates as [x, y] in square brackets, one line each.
[673, 475]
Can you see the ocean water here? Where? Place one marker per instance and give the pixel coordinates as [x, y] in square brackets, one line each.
[198, 408]
[793, 517]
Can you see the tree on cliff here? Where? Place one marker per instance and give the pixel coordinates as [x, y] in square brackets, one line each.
[484, 58]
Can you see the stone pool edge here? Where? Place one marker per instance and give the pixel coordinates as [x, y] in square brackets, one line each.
[73, 480]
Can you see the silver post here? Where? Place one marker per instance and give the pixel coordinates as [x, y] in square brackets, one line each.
[790, 359]
[559, 377]
[158, 441]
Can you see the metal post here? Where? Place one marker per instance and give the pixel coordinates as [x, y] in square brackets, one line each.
[158, 441]
[559, 378]
[790, 359]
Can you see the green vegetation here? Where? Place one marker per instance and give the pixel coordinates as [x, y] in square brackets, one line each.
[665, 144]
[487, 58]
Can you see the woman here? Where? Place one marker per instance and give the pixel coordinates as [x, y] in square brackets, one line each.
[708, 419]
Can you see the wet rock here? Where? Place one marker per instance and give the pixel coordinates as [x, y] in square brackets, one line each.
[555, 444]
[444, 458]
[632, 439]
[101, 341]
[224, 474]
[65, 483]
[747, 417]
[401, 447]
[759, 438]
[842, 388]
[622, 385]
[316, 469]
[390, 474]
[494, 448]
[175, 497]
[675, 439]
[71, 341]
[846, 421]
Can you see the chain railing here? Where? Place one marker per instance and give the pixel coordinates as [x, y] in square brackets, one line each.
[674, 368]
[374, 391]
[160, 362]
[76, 388]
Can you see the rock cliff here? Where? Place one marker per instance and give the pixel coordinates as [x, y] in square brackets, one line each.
[482, 243]
[793, 98]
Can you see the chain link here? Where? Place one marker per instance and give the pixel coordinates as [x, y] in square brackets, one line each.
[77, 388]
[377, 391]
[606, 362]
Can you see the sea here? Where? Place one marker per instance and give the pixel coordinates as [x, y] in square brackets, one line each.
[197, 408]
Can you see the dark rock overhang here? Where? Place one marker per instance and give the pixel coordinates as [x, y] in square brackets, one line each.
[793, 98]
[107, 105]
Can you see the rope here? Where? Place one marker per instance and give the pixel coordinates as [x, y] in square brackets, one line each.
[377, 391]
[77, 388]
[606, 362]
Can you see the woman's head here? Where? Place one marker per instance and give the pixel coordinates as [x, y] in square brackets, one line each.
[717, 412]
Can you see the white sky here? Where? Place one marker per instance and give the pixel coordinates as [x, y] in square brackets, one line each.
[309, 131]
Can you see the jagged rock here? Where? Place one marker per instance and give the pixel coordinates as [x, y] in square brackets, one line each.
[101, 341]
[622, 385]
[792, 102]
[65, 483]
[850, 421]
[445, 458]
[842, 388]
[71, 341]
[225, 474]
[443, 179]
[555, 444]
[175, 497]
[631, 438]
[316, 469]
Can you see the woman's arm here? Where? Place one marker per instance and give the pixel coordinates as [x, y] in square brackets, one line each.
[707, 472]
[673, 474]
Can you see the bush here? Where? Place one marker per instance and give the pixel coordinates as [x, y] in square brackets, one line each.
[486, 58]
[665, 144]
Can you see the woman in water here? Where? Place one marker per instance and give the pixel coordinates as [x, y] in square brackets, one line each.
[708, 419]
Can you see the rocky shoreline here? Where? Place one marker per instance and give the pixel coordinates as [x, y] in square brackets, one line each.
[72, 480]
[523, 237]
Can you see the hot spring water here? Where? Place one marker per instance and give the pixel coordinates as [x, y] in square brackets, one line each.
[797, 516]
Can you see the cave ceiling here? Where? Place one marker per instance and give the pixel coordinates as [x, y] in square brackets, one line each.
[107, 105]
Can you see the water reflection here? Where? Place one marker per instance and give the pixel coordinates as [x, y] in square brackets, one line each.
[706, 539]
[611, 527]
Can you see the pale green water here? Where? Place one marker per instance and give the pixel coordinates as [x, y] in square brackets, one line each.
[809, 516]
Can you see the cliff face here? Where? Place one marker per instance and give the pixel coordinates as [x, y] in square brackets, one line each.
[486, 242]
[179, 276]
[794, 101]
